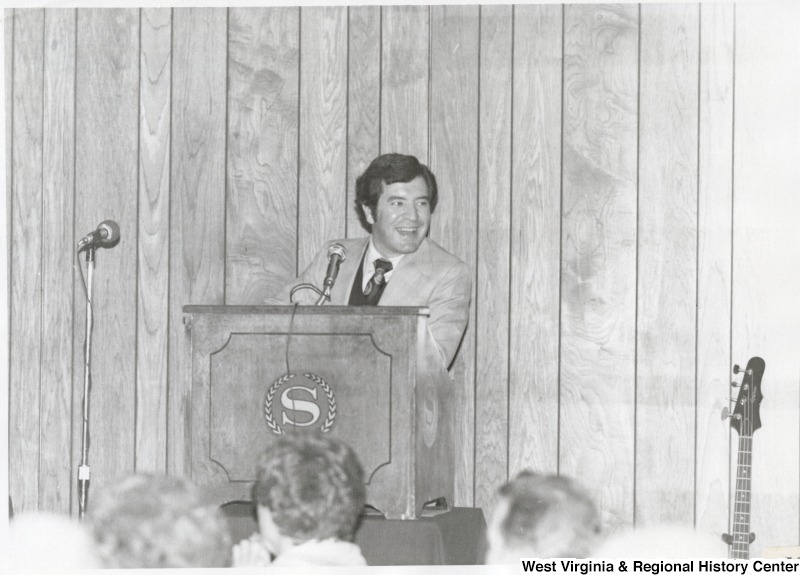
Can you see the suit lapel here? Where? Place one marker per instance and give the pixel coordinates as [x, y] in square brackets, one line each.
[407, 277]
[340, 295]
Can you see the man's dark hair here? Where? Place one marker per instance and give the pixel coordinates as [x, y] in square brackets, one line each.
[313, 487]
[390, 169]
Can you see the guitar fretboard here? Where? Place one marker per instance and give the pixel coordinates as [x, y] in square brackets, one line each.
[740, 530]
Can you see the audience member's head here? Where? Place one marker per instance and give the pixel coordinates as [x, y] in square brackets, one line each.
[308, 487]
[542, 516]
[158, 521]
[662, 542]
[46, 541]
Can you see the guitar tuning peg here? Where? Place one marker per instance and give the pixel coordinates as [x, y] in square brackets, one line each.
[726, 413]
[736, 368]
[735, 384]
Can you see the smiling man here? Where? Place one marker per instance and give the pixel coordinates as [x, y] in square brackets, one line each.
[397, 265]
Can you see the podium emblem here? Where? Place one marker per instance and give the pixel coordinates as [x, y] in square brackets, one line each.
[299, 403]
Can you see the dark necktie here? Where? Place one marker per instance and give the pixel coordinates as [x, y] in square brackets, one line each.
[376, 285]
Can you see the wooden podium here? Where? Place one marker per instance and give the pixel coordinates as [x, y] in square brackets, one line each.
[369, 376]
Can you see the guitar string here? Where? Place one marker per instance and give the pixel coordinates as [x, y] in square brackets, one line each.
[742, 461]
[740, 547]
[748, 457]
[737, 534]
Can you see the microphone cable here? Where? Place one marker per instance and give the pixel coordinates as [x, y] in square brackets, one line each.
[288, 344]
[80, 271]
[90, 304]
[289, 336]
[298, 287]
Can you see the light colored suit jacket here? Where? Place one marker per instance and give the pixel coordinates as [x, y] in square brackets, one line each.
[430, 277]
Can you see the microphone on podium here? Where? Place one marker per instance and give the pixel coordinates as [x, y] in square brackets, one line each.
[336, 255]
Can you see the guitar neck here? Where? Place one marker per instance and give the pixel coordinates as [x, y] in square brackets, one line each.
[740, 532]
[745, 421]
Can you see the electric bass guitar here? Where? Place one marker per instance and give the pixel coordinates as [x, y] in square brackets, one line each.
[745, 420]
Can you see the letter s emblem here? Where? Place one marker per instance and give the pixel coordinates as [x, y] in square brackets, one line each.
[293, 404]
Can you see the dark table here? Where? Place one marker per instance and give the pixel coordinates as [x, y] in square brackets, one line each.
[455, 537]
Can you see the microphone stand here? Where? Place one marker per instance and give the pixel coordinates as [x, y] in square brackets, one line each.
[84, 471]
[325, 295]
[336, 255]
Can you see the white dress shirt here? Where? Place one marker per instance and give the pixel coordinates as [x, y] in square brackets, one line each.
[369, 264]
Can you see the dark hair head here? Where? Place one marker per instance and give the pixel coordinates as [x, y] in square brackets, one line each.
[549, 513]
[390, 169]
[313, 487]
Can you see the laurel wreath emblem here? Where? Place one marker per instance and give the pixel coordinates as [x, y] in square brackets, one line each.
[268, 403]
[328, 423]
[268, 400]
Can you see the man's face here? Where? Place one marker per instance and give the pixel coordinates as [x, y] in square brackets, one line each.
[401, 218]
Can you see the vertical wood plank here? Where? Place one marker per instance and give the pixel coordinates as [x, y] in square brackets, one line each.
[106, 182]
[454, 158]
[714, 264]
[766, 247]
[152, 329]
[197, 184]
[263, 69]
[598, 300]
[404, 81]
[494, 246]
[667, 281]
[5, 216]
[364, 102]
[26, 259]
[8, 68]
[323, 129]
[535, 241]
[57, 260]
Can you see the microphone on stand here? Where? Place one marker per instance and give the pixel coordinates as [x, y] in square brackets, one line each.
[336, 255]
[105, 236]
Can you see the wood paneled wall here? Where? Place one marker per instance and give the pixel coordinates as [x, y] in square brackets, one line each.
[621, 178]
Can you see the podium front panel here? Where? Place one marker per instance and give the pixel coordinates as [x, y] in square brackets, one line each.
[339, 382]
[353, 373]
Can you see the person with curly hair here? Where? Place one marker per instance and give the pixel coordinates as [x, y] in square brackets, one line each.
[309, 495]
[149, 520]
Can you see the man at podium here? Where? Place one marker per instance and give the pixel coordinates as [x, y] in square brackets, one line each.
[397, 264]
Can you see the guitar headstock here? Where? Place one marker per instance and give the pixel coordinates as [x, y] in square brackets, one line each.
[746, 416]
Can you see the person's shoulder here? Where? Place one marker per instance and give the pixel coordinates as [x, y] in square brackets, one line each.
[444, 258]
[347, 243]
[350, 245]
